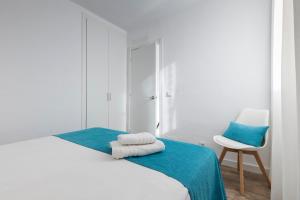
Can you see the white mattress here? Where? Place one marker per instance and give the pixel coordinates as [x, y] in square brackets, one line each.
[53, 169]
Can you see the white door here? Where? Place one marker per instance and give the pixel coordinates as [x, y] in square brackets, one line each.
[143, 95]
[97, 73]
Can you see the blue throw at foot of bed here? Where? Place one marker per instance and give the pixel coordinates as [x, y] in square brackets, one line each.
[196, 167]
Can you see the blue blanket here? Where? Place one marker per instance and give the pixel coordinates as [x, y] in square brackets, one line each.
[196, 167]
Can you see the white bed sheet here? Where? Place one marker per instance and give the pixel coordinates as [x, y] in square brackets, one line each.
[53, 169]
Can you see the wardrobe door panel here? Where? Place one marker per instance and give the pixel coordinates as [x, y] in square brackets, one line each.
[97, 73]
[118, 80]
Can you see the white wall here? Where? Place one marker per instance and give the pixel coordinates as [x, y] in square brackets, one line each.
[40, 68]
[216, 62]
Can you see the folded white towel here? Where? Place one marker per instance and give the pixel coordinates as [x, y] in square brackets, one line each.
[137, 138]
[122, 151]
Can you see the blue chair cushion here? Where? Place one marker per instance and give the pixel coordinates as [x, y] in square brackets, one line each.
[251, 135]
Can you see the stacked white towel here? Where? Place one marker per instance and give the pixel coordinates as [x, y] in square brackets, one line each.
[136, 139]
[121, 151]
[139, 144]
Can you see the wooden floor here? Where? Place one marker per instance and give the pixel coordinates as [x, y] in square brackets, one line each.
[256, 187]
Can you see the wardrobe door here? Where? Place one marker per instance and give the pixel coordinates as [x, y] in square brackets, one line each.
[97, 73]
[118, 79]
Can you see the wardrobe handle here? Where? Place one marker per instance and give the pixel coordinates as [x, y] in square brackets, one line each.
[108, 95]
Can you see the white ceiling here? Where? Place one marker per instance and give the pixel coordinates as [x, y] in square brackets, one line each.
[130, 13]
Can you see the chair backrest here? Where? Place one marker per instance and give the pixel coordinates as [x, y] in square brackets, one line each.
[255, 117]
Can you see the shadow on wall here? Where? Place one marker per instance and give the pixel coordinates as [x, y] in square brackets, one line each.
[168, 90]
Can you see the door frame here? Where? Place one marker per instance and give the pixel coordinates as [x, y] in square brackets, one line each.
[159, 63]
[84, 19]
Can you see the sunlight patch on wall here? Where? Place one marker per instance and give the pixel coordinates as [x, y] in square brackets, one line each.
[169, 118]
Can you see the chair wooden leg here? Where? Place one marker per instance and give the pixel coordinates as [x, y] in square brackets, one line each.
[222, 155]
[242, 181]
[238, 162]
[261, 166]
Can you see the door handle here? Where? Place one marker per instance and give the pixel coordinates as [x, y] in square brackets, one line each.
[153, 97]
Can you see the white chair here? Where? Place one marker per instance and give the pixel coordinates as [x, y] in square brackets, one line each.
[253, 117]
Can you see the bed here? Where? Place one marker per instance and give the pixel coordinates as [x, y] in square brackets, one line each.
[78, 166]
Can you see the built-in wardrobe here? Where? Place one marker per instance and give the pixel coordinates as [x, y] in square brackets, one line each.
[104, 74]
